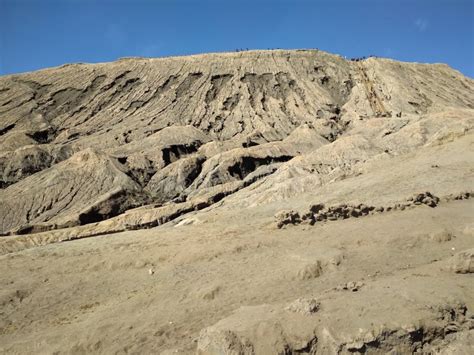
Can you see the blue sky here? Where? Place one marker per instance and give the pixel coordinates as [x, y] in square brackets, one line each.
[36, 34]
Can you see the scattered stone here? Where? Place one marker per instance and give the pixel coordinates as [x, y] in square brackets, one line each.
[287, 217]
[459, 196]
[320, 213]
[355, 212]
[316, 208]
[425, 198]
[308, 218]
[353, 286]
[339, 212]
[305, 306]
[443, 236]
[463, 196]
[310, 271]
[463, 262]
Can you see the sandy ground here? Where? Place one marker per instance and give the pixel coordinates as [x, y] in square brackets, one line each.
[150, 290]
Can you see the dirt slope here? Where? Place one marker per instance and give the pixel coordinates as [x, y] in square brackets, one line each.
[262, 202]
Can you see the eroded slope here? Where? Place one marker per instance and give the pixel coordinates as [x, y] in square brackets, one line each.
[367, 166]
[212, 124]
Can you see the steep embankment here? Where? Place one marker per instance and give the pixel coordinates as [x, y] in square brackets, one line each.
[172, 129]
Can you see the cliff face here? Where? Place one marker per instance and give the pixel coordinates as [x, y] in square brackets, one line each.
[161, 130]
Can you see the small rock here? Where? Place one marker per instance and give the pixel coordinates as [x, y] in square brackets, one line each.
[305, 306]
[308, 218]
[151, 271]
[463, 262]
[443, 236]
[321, 217]
[364, 209]
[355, 212]
[462, 196]
[287, 217]
[426, 198]
[310, 271]
[316, 208]
[351, 286]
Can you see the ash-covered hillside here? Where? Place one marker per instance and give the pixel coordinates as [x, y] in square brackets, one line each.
[87, 142]
[262, 202]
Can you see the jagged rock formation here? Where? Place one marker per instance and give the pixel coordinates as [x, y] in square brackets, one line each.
[188, 161]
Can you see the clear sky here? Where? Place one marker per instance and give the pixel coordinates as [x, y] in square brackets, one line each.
[42, 33]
